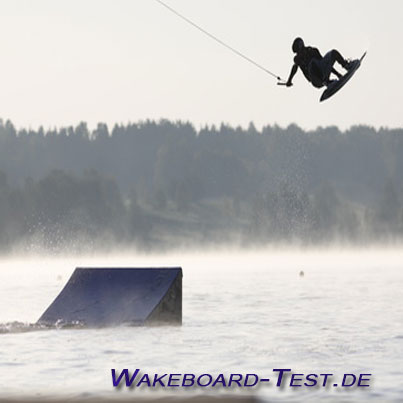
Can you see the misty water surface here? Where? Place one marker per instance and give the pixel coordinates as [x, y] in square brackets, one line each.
[243, 312]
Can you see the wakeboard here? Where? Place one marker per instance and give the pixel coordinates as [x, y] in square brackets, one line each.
[336, 85]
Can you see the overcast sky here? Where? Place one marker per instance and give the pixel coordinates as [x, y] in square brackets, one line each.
[64, 61]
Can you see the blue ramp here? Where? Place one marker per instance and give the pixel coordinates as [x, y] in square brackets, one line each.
[98, 297]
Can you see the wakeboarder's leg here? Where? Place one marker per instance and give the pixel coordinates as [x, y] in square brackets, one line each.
[336, 73]
[337, 57]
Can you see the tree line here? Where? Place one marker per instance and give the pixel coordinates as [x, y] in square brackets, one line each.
[158, 184]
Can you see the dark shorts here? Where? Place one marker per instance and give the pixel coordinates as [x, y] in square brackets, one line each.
[320, 70]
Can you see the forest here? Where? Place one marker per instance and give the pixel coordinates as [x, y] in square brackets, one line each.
[156, 185]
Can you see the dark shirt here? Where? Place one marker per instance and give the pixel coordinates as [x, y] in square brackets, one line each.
[304, 58]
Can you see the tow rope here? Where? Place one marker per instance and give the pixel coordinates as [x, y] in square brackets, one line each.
[219, 40]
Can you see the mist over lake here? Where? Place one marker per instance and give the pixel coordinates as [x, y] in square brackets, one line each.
[159, 185]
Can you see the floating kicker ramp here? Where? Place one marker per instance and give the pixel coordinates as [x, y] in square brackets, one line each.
[99, 297]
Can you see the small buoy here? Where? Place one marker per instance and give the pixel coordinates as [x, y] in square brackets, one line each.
[301, 273]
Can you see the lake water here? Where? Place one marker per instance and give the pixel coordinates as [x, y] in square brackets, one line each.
[243, 312]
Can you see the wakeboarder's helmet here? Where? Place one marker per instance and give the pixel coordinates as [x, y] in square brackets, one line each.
[297, 44]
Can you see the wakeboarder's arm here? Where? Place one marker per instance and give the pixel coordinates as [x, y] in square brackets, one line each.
[294, 70]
